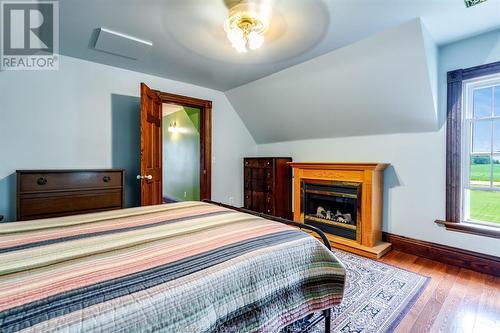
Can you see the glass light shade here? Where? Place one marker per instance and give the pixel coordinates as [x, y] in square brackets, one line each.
[237, 38]
[255, 40]
[235, 35]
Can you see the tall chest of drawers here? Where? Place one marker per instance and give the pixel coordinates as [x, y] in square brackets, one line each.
[268, 185]
[53, 193]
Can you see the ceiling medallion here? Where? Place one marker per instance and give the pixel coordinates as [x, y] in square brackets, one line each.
[247, 23]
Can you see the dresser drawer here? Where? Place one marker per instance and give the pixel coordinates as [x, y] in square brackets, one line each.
[258, 163]
[268, 185]
[52, 193]
[266, 163]
[68, 203]
[42, 182]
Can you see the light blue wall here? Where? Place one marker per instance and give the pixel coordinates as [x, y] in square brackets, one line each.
[126, 142]
[414, 192]
[85, 115]
[474, 51]
[432, 57]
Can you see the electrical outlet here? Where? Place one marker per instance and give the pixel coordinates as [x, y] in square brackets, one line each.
[185, 194]
[231, 201]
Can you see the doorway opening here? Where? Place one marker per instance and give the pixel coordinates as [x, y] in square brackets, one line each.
[180, 128]
[181, 153]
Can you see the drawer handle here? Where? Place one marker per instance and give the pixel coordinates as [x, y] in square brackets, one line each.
[41, 181]
[106, 179]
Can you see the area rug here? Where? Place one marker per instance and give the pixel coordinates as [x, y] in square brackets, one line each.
[377, 296]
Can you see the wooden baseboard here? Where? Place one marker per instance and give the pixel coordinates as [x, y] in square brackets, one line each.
[475, 261]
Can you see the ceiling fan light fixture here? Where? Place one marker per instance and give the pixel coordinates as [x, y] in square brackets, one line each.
[246, 24]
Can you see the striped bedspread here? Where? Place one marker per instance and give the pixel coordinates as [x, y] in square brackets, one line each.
[183, 267]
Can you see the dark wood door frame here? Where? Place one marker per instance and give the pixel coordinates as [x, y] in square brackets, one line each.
[205, 107]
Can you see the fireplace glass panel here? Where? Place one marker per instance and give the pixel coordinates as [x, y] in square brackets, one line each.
[332, 207]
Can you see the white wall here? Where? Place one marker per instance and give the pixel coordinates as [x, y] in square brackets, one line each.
[414, 187]
[85, 116]
[382, 84]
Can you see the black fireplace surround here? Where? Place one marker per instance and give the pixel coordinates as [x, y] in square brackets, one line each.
[332, 206]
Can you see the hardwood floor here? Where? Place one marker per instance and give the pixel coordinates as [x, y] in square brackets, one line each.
[455, 300]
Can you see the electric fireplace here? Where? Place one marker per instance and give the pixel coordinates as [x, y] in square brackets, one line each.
[344, 200]
[332, 206]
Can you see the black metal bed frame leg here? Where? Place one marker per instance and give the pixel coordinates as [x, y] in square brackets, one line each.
[328, 323]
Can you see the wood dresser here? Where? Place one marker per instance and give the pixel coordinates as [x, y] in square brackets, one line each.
[52, 193]
[268, 185]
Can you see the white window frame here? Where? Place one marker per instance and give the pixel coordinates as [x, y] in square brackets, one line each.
[467, 123]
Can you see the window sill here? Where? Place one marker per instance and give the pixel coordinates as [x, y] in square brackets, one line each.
[471, 228]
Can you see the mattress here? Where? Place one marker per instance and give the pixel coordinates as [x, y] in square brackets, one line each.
[182, 267]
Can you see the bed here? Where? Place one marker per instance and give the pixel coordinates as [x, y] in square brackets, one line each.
[181, 267]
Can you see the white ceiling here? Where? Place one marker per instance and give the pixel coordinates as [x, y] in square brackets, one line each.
[190, 44]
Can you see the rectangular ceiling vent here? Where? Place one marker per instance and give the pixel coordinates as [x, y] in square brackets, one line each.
[470, 3]
[121, 44]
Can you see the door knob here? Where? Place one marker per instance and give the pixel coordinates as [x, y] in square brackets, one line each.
[149, 177]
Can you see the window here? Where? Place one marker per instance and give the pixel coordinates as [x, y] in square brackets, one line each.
[473, 151]
[481, 151]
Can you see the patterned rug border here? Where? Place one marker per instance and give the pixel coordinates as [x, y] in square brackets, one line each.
[410, 304]
[394, 325]
[415, 298]
[391, 324]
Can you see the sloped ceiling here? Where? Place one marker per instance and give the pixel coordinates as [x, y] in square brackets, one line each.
[382, 84]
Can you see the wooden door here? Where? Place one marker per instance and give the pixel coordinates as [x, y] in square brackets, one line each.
[151, 147]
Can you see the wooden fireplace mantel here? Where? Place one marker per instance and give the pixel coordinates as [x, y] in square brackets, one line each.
[339, 166]
[370, 176]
